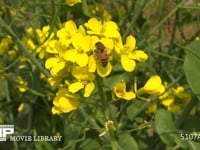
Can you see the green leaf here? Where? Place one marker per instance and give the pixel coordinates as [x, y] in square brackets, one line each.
[134, 108]
[166, 129]
[191, 66]
[126, 141]
[89, 144]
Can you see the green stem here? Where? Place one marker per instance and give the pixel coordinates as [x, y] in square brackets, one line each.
[91, 121]
[23, 48]
[113, 142]
[167, 17]
[103, 96]
[15, 145]
[139, 6]
[85, 9]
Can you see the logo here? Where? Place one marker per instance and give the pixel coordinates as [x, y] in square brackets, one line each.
[5, 130]
[9, 129]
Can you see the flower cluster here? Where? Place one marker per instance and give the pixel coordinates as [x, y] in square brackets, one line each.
[72, 56]
[75, 55]
[153, 86]
[175, 100]
[8, 48]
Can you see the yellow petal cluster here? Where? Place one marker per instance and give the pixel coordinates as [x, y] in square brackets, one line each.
[153, 86]
[84, 79]
[64, 102]
[176, 99]
[128, 54]
[120, 92]
[73, 2]
[73, 59]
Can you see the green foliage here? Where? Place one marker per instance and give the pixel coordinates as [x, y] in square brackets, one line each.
[166, 129]
[111, 117]
[191, 66]
[126, 141]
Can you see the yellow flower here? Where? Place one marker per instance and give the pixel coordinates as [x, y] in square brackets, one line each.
[5, 45]
[128, 54]
[55, 81]
[64, 102]
[120, 91]
[82, 45]
[97, 10]
[42, 36]
[152, 108]
[106, 29]
[21, 84]
[72, 2]
[84, 80]
[55, 65]
[153, 86]
[65, 34]
[176, 99]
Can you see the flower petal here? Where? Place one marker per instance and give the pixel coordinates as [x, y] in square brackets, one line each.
[127, 64]
[110, 29]
[50, 62]
[89, 89]
[75, 87]
[82, 73]
[104, 71]
[129, 95]
[70, 28]
[138, 55]
[82, 59]
[153, 86]
[120, 89]
[64, 102]
[92, 64]
[94, 26]
[70, 55]
[168, 101]
[57, 68]
[130, 43]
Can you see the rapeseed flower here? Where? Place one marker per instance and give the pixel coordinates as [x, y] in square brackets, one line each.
[66, 33]
[5, 45]
[22, 84]
[120, 92]
[55, 65]
[85, 79]
[128, 54]
[107, 29]
[152, 108]
[176, 99]
[153, 86]
[78, 54]
[64, 102]
[98, 10]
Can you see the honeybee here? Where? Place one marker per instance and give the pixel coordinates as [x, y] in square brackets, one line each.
[102, 55]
